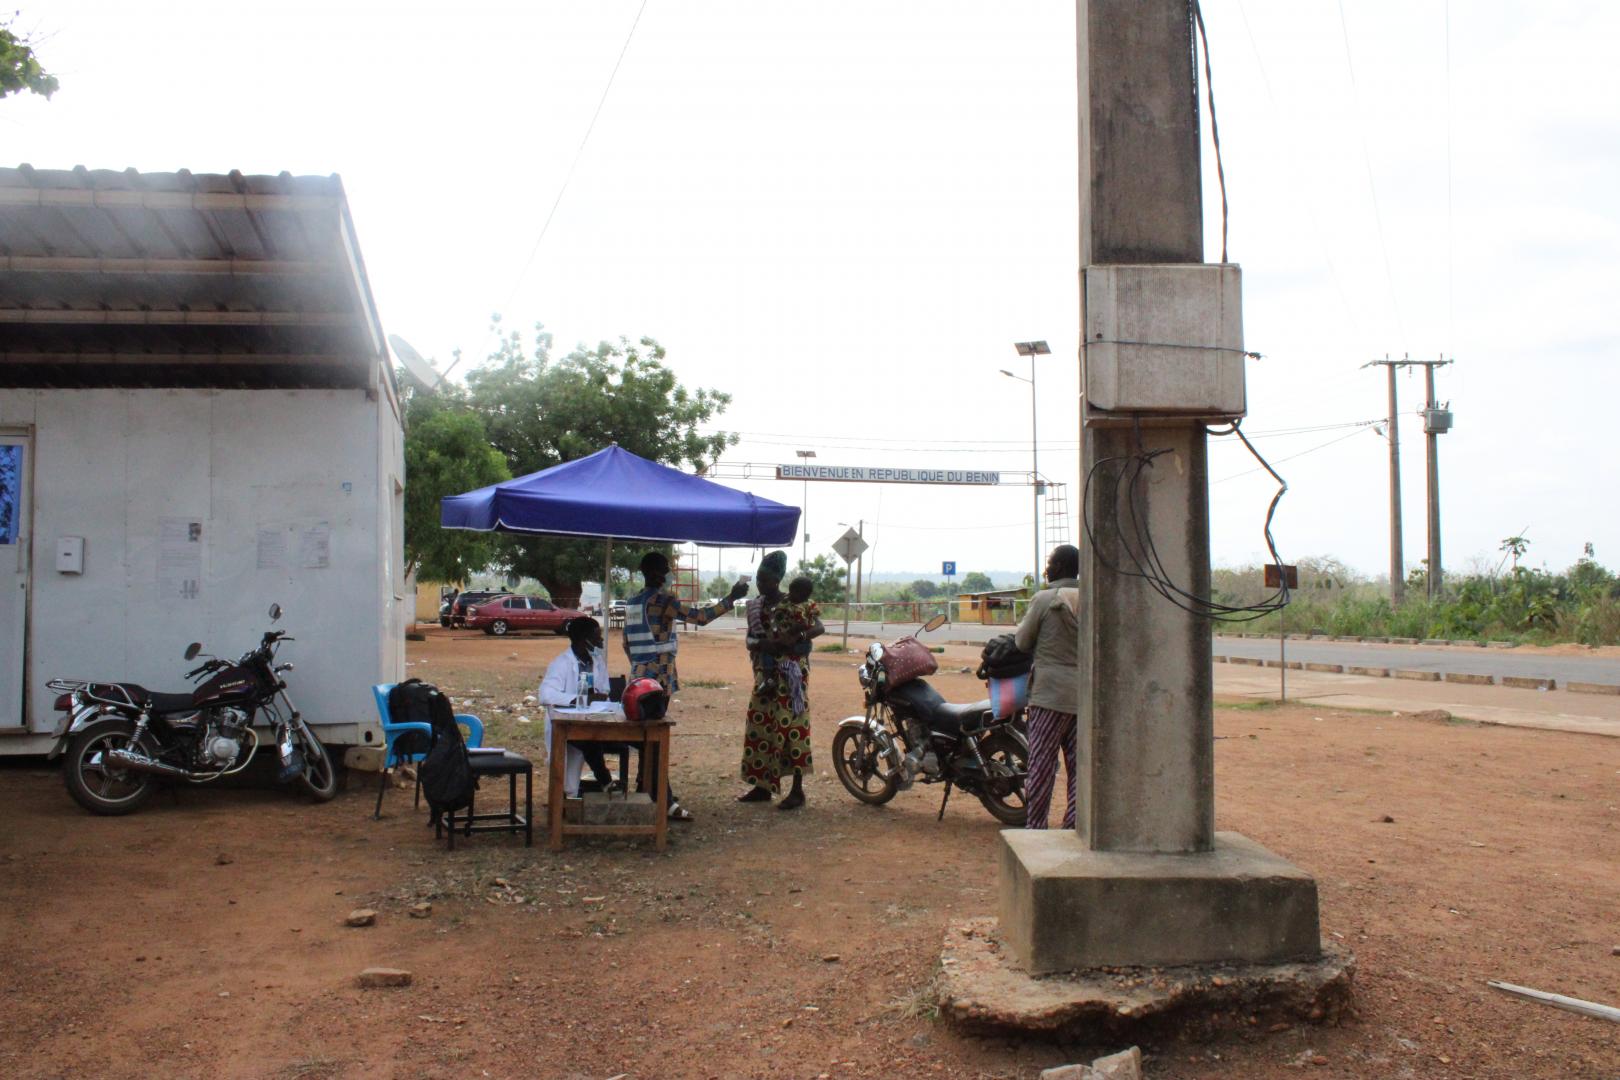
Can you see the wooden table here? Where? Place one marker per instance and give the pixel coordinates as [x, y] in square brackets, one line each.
[582, 725]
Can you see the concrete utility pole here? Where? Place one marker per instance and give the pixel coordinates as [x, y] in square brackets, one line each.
[1436, 422]
[1145, 879]
[1397, 557]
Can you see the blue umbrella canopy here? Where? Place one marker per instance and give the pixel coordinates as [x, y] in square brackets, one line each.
[613, 493]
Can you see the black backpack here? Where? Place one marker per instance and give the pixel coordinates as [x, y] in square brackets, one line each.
[1002, 659]
[447, 777]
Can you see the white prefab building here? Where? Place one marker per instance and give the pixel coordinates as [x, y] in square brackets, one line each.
[197, 419]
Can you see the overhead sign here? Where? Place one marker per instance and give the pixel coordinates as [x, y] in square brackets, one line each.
[948, 569]
[870, 474]
[850, 546]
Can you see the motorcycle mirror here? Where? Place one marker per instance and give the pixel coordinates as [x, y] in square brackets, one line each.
[275, 612]
[935, 623]
[193, 649]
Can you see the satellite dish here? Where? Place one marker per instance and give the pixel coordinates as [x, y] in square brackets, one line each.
[419, 369]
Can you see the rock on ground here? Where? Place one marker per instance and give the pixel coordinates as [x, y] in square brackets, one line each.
[361, 917]
[373, 977]
[1125, 1065]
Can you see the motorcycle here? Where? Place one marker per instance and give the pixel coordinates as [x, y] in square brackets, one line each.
[120, 738]
[911, 733]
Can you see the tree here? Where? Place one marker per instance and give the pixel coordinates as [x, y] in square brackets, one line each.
[1515, 546]
[19, 67]
[977, 581]
[539, 411]
[923, 589]
[446, 453]
[828, 576]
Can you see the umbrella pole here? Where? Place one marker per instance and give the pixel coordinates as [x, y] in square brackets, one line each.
[607, 595]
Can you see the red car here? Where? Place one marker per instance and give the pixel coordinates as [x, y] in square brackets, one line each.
[501, 615]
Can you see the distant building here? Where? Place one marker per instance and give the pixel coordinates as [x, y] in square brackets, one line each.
[195, 397]
[990, 606]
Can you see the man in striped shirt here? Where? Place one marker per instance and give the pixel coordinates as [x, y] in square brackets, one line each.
[649, 632]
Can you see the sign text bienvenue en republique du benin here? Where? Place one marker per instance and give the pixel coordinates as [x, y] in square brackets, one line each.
[889, 476]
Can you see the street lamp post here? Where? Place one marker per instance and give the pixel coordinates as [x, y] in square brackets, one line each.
[804, 551]
[1032, 349]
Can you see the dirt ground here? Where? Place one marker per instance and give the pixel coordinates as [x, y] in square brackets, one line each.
[204, 936]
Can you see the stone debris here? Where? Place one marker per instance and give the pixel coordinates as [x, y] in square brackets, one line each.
[374, 977]
[361, 917]
[422, 910]
[531, 700]
[1125, 1065]
[830, 958]
[223, 859]
[523, 720]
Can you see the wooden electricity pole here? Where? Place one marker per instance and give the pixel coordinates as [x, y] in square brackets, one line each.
[1436, 422]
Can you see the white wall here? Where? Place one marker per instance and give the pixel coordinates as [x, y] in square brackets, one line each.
[111, 465]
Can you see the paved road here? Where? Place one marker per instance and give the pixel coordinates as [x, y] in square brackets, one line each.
[1464, 659]
[1473, 661]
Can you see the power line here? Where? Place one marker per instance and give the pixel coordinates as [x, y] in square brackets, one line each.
[1372, 186]
[518, 284]
[1291, 457]
[1309, 212]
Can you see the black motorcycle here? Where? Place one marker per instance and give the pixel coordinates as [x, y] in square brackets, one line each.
[120, 738]
[910, 733]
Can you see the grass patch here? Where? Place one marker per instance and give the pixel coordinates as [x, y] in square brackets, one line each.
[829, 648]
[920, 1003]
[312, 1068]
[1258, 705]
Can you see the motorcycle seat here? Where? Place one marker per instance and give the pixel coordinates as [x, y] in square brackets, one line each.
[162, 704]
[927, 705]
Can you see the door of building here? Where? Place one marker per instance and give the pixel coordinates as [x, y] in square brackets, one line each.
[15, 504]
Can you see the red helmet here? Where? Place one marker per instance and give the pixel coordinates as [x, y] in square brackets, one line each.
[645, 700]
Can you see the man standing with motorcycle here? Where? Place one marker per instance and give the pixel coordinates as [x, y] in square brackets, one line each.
[1051, 631]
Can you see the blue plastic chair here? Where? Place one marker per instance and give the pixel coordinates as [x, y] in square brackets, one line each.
[409, 742]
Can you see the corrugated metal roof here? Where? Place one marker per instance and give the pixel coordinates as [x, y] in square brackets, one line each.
[179, 279]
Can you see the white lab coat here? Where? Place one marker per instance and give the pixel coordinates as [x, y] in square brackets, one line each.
[560, 687]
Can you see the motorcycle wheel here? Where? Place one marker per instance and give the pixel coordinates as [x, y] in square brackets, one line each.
[857, 757]
[319, 777]
[1003, 795]
[96, 786]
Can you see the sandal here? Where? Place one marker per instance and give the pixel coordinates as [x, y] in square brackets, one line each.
[677, 812]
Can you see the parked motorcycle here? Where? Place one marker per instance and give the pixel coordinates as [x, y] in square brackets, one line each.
[911, 733]
[120, 738]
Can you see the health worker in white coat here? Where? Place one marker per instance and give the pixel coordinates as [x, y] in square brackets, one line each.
[560, 687]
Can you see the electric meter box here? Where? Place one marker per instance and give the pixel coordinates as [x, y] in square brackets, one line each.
[1163, 340]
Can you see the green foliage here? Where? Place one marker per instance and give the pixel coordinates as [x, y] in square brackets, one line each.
[923, 589]
[445, 454]
[716, 588]
[828, 575]
[977, 581]
[19, 67]
[1582, 604]
[539, 411]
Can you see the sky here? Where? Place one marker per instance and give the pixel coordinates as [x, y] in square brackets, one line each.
[844, 214]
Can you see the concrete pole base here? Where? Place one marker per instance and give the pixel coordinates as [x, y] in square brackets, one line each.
[980, 989]
[1065, 907]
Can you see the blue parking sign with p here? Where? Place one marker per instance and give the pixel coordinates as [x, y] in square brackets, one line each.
[949, 569]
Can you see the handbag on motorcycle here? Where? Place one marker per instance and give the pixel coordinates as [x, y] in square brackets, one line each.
[1008, 695]
[907, 659]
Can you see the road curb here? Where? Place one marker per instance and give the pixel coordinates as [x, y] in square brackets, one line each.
[1592, 688]
[1375, 672]
[1524, 682]
[1470, 680]
[1417, 676]
[1253, 661]
[1336, 669]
